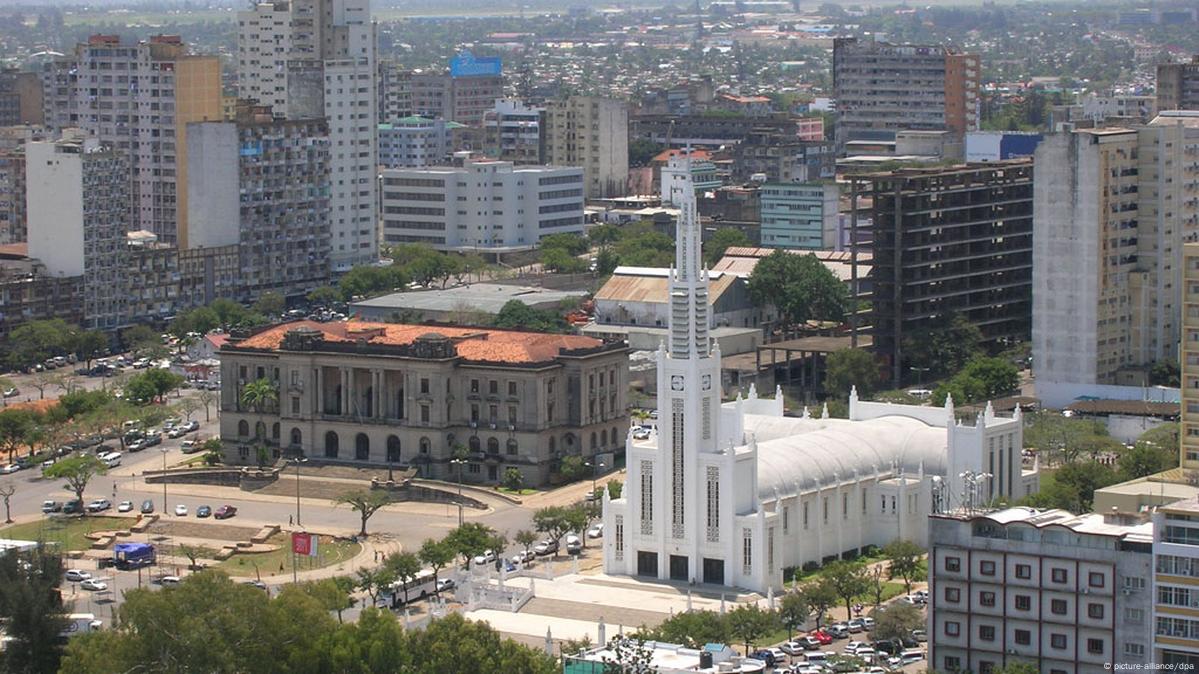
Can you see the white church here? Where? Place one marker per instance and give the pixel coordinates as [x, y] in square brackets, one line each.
[734, 493]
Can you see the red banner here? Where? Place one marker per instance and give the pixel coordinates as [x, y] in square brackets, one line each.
[301, 544]
[304, 544]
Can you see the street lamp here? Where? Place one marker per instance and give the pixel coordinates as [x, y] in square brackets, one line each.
[164, 480]
[459, 463]
[297, 461]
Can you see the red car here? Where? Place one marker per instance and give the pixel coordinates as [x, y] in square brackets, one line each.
[823, 637]
[224, 512]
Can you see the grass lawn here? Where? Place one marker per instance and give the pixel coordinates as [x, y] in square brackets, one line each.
[331, 553]
[522, 492]
[69, 532]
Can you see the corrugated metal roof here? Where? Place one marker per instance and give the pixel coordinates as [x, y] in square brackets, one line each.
[638, 288]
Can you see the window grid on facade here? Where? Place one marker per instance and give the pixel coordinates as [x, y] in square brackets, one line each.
[770, 550]
[619, 522]
[707, 411]
[747, 551]
[713, 521]
[647, 498]
[678, 525]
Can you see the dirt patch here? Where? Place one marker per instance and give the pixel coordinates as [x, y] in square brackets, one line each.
[347, 472]
[216, 532]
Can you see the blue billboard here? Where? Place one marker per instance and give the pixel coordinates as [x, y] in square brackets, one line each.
[467, 64]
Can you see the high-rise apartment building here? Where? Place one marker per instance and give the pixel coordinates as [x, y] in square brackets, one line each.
[1064, 593]
[139, 99]
[515, 132]
[884, 88]
[1175, 584]
[1178, 85]
[1189, 359]
[78, 192]
[263, 49]
[280, 169]
[415, 142]
[1112, 208]
[799, 215]
[394, 92]
[329, 72]
[20, 97]
[12, 195]
[953, 240]
[483, 206]
[463, 94]
[593, 133]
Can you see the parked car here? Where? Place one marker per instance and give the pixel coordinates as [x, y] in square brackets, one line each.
[256, 583]
[853, 647]
[798, 646]
[147, 506]
[73, 506]
[765, 656]
[868, 623]
[546, 547]
[523, 557]
[855, 626]
[779, 656]
[9, 469]
[191, 426]
[181, 510]
[486, 558]
[574, 544]
[176, 432]
[920, 596]
[920, 636]
[823, 637]
[224, 512]
[94, 585]
[76, 575]
[125, 506]
[169, 581]
[203, 511]
[12, 392]
[641, 434]
[98, 505]
[444, 584]
[596, 531]
[51, 507]
[838, 630]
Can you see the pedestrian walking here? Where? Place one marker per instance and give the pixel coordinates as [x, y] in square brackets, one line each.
[290, 520]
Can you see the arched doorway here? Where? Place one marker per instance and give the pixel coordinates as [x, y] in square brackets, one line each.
[393, 449]
[331, 444]
[362, 447]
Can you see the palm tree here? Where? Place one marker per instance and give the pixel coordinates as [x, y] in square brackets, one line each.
[258, 393]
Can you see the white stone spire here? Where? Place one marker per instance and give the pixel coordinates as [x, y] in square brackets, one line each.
[688, 279]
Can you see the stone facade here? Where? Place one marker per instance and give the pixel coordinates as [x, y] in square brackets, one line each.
[372, 393]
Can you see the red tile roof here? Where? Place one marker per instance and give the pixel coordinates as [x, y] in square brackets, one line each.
[477, 344]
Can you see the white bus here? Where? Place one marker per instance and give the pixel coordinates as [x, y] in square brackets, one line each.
[419, 587]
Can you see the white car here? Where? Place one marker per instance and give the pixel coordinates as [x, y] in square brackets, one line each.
[181, 510]
[523, 557]
[94, 585]
[485, 558]
[76, 575]
[10, 468]
[596, 531]
[125, 506]
[853, 647]
[167, 581]
[641, 434]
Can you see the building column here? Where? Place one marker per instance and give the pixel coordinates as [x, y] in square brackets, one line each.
[318, 393]
[345, 390]
[376, 394]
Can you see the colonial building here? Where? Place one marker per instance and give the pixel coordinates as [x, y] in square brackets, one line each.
[736, 493]
[383, 393]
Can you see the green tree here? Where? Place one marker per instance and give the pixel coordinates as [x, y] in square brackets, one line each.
[904, 561]
[606, 262]
[560, 261]
[77, 471]
[90, 344]
[373, 581]
[404, 566]
[365, 502]
[470, 540]
[848, 581]
[333, 594]
[152, 385]
[15, 425]
[799, 286]
[615, 487]
[35, 341]
[207, 624]
[259, 394]
[721, 240]
[144, 341]
[692, 628]
[270, 304]
[819, 596]
[793, 611]
[438, 555]
[571, 244]
[526, 538]
[1165, 373]
[32, 610]
[1072, 487]
[516, 315]
[982, 379]
[943, 347]
[324, 296]
[896, 621]
[642, 151]
[1145, 459]
[514, 480]
[553, 521]
[603, 235]
[572, 468]
[848, 368]
[748, 623]
[454, 644]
